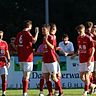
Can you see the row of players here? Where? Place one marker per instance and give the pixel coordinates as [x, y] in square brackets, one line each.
[50, 65]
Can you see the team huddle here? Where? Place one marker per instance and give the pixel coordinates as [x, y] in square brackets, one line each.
[24, 41]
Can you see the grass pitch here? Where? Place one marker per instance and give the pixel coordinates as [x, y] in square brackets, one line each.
[35, 92]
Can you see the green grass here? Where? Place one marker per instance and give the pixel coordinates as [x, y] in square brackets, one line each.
[35, 92]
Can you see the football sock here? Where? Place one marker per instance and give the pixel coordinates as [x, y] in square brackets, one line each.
[4, 86]
[25, 85]
[86, 87]
[94, 80]
[49, 86]
[56, 87]
[58, 84]
[41, 84]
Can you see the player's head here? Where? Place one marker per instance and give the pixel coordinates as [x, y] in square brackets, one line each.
[45, 29]
[1, 35]
[53, 28]
[89, 25]
[80, 29]
[27, 24]
[65, 38]
[94, 30]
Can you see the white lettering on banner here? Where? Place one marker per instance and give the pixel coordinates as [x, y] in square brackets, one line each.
[69, 78]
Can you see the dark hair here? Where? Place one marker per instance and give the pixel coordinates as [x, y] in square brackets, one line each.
[27, 23]
[46, 26]
[52, 25]
[65, 35]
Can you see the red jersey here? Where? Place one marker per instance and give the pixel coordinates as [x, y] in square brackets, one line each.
[89, 33]
[49, 55]
[54, 40]
[94, 38]
[24, 46]
[85, 45]
[3, 49]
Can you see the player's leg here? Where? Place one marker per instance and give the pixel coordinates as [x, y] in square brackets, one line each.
[57, 84]
[4, 73]
[58, 75]
[41, 85]
[93, 80]
[48, 83]
[86, 86]
[45, 75]
[53, 72]
[42, 80]
[88, 69]
[94, 75]
[25, 81]
[82, 67]
[27, 68]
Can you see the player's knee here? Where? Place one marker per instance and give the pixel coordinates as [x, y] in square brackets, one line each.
[58, 76]
[42, 77]
[25, 78]
[54, 78]
[82, 78]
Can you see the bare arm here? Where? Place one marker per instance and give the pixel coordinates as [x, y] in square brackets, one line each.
[74, 55]
[91, 54]
[48, 43]
[8, 59]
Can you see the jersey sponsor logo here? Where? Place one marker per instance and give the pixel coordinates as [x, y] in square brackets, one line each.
[82, 48]
[2, 52]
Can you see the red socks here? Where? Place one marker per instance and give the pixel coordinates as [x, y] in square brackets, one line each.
[49, 86]
[58, 85]
[41, 84]
[25, 85]
[86, 88]
[4, 85]
[94, 80]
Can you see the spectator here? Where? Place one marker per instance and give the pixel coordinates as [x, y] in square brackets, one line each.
[12, 47]
[24, 42]
[66, 47]
[4, 55]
